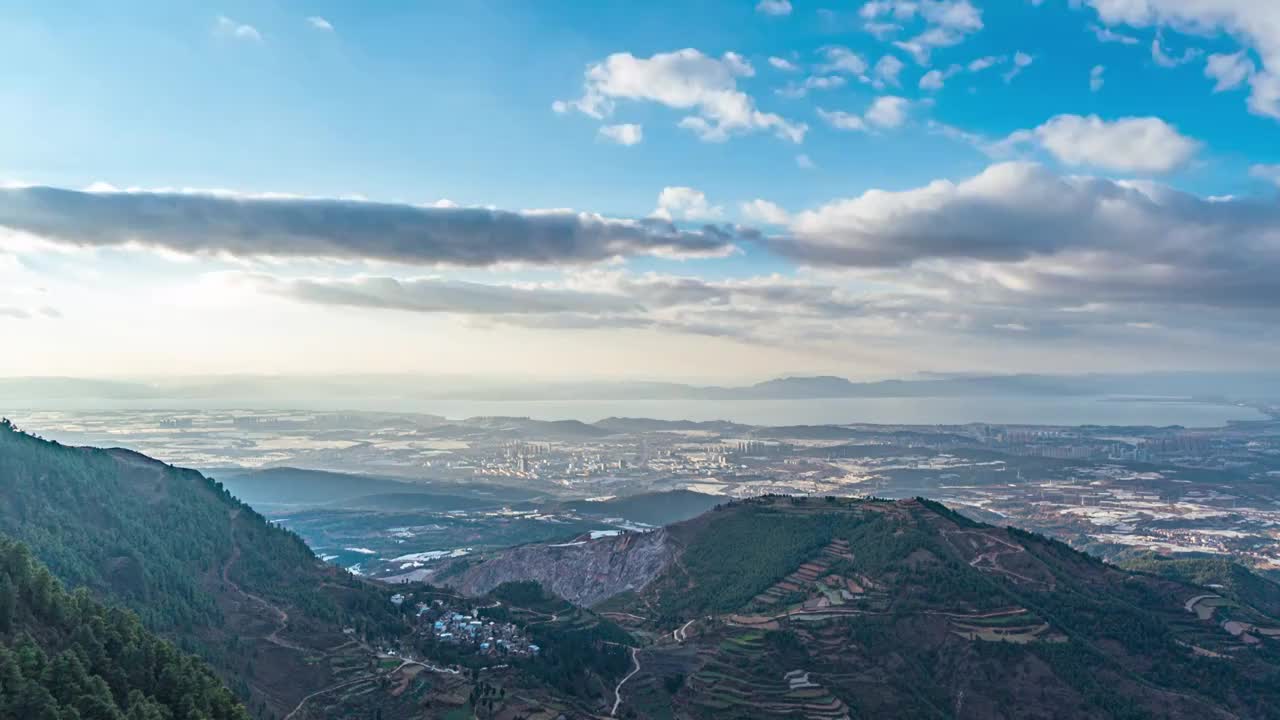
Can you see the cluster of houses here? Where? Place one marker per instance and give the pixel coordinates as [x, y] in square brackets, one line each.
[438, 619]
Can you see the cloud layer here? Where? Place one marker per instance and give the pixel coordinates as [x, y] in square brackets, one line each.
[242, 226]
[1029, 231]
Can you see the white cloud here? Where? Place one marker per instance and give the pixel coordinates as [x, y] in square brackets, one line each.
[980, 143]
[804, 162]
[1107, 35]
[842, 59]
[1021, 61]
[954, 14]
[1163, 59]
[813, 82]
[226, 27]
[685, 203]
[1255, 24]
[769, 309]
[886, 72]
[1021, 232]
[946, 23]
[439, 295]
[1132, 144]
[319, 23]
[841, 120]
[624, 134]
[685, 80]
[783, 64]
[901, 11]
[921, 47]
[1230, 70]
[932, 80]
[881, 30]
[1269, 173]
[764, 211]
[887, 111]
[774, 7]
[1096, 79]
[983, 63]
[936, 79]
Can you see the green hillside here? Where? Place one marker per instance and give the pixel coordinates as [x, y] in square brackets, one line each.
[1215, 573]
[661, 508]
[194, 563]
[63, 656]
[774, 607]
[782, 607]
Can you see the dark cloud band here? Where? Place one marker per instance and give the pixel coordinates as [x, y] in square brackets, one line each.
[344, 229]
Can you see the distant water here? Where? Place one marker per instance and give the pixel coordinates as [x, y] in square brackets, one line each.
[889, 411]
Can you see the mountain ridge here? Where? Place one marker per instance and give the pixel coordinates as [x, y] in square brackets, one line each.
[808, 584]
[388, 392]
[197, 565]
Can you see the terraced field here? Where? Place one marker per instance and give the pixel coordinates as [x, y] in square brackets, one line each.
[734, 683]
[1218, 626]
[1017, 625]
[814, 589]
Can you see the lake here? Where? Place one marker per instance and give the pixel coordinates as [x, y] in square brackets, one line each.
[890, 411]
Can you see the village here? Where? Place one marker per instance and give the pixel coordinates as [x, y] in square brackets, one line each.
[451, 621]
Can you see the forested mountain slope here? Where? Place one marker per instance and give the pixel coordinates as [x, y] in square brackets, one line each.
[782, 607]
[194, 563]
[63, 656]
[775, 607]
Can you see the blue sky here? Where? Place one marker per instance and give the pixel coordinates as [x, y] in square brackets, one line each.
[417, 102]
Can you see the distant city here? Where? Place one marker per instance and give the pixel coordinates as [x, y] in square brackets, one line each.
[1109, 490]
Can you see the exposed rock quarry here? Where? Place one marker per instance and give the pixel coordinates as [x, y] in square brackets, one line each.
[584, 573]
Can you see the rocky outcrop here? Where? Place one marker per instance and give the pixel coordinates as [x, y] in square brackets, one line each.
[584, 573]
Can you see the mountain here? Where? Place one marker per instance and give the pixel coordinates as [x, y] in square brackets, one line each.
[775, 607]
[836, 608]
[646, 425]
[289, 487]
[293, 486]
[64, 656]
[523, 427]
[198, 567]
[1215, 573]
[660, 508]
[410, 393]
[294, 638]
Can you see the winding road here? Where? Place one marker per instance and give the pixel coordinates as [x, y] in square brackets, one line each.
[282, 617]
[617, 692]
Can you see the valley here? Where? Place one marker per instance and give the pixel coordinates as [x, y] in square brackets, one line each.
[379, 492]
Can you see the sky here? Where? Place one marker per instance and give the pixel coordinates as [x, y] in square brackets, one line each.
[697, 191]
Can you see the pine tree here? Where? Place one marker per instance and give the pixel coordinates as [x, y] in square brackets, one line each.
[8, 602]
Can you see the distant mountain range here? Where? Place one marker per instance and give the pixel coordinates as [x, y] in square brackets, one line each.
[394, 392]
